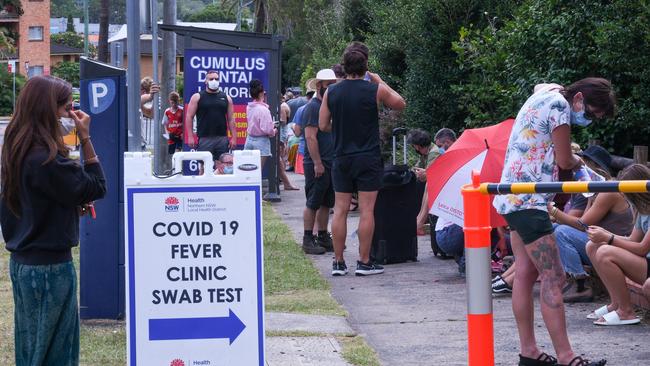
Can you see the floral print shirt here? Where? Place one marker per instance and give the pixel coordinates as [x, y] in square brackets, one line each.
[530, 156]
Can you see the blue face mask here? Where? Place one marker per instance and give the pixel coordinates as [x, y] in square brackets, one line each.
[442, 150]
[578, 118]
[227, 169]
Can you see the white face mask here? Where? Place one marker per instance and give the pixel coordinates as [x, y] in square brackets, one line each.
[213, 84]
[67, 125]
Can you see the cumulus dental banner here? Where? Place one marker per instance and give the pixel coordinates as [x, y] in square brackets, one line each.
[236, 70]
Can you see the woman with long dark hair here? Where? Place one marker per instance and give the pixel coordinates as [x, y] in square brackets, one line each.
[43, 194]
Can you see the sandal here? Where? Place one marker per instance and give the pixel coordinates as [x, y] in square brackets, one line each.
[579, 361]
[354, 205]
[612, 318]
[543, 360]
[598, 313]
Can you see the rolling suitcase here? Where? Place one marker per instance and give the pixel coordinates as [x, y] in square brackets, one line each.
[398, 203]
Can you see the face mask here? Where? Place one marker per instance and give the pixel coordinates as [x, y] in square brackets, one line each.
[67, 125]
[228, 169]
[578, 118]
[442, 150]
[213, 84]
[322, 92]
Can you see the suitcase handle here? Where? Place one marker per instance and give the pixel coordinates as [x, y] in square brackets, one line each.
[399, 131]
[396, 132]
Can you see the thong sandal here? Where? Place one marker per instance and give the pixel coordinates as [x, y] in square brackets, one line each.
[579, 361]
[543, 360]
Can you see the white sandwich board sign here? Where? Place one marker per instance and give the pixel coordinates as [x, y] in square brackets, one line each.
[194, 264]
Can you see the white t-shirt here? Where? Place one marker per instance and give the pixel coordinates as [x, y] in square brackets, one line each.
[530, 156]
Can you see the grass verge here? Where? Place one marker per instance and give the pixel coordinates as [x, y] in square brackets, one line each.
[356, 351]
[292, 285]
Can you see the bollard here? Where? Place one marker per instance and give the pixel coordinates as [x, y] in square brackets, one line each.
[480, 332]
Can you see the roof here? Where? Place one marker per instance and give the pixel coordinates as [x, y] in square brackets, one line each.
[145, 46]
[122, 33]
[60, 49]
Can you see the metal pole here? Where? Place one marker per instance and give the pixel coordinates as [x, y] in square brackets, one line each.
[13, 69]
[159, 150]
[168, 77]
[133, 75]
[86, 28]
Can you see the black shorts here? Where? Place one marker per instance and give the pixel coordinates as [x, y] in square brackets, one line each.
[174, 144]
[648, 270]
[216, 145]
[319, 191]
[530, 224]
[357, 173]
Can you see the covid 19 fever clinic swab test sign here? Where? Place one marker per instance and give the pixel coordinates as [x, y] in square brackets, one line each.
[194, 264]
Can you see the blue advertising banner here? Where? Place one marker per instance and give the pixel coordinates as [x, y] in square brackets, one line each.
[236, 70]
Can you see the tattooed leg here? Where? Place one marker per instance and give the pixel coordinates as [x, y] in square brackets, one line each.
[543, 253]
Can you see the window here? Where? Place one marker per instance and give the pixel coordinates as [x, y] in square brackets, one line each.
[35, 70]
[36, 33]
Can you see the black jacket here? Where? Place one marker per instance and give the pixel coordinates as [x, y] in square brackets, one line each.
[50, 194]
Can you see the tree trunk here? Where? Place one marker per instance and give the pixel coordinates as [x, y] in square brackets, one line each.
[260, 16]
[102, 47]
[168, 79]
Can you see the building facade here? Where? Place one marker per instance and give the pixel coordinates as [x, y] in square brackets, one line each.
[31, 32]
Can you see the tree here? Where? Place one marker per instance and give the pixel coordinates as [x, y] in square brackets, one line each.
[213, 13]
[261, 16]
[73, 40]
[70, 25]
[102, 46]
[7, 43]
[559, 41]
[68, 71]
[6, 90]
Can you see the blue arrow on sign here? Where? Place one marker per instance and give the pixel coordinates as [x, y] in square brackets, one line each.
[196, 328]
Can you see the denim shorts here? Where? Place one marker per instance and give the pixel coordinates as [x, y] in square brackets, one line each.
[261, 143]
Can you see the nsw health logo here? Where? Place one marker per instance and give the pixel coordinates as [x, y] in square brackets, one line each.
[171, 204]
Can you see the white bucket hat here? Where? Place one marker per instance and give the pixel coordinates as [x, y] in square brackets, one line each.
[324, 74]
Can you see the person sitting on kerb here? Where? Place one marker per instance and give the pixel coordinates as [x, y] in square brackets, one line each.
[224, 165]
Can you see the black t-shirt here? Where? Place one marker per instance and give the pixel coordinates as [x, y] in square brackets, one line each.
[211, 114]
[325, 141]
[355, 118]
[48, 226]
[294, 104]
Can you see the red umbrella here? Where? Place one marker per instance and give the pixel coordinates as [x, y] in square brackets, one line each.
[481, 149]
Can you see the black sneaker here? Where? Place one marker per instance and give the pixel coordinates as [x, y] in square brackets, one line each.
[309, 246]
[339, 268]
[367, 269]
[500, 286]
[325, 241]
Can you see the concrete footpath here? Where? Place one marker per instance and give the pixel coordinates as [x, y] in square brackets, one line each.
[415, 313]
[321, 348]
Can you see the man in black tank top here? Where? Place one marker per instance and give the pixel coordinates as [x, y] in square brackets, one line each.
[350, 111]
[214, 116]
